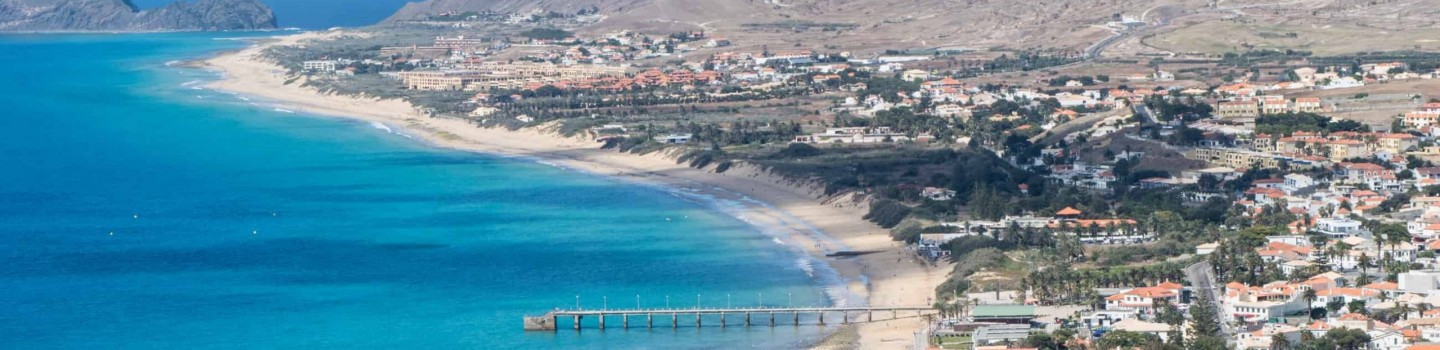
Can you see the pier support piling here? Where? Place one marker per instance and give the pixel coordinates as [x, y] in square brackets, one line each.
[577, 322]
[697, 320]
[747, 319]
[649, 320]
[821, 315]
[772, 319]
[675, 320]
[797, 318]
[722, 319]
[602, 321]
[844, 317]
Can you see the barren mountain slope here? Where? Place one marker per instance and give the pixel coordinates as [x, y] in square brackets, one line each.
[1055, 24]
[122, 15]
[977, 23]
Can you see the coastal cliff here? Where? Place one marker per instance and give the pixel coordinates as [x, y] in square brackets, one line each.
[122, 15]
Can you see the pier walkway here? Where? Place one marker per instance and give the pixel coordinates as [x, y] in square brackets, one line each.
[762, 316]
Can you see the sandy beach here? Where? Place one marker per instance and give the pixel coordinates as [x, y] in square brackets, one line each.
[805, 218]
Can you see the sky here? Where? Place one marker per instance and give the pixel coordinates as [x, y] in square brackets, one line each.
[318, 14]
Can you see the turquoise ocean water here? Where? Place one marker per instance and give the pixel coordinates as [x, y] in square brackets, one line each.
[139, 211]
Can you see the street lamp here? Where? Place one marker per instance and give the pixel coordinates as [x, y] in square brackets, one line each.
[577, 302]
[697, 301]
[604, 302]
[761, 298]
[727, 300]
[787, 300]
[637, 301]
[667, 301]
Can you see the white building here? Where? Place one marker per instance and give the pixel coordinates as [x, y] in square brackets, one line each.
[1419, 281]
[1295, 182]
[1160, 330]
[325, 66]
[937, 194]
[1340, 227]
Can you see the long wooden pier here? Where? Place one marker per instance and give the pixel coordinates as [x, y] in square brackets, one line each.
[766, 316]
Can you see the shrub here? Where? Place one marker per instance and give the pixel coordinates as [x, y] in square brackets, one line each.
[887, 213]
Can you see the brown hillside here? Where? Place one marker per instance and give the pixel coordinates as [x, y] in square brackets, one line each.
[1053, 24]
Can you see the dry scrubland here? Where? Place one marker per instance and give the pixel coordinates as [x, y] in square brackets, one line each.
[1218, 37]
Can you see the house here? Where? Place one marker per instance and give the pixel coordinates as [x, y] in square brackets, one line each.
[915, 74]
[1159, 330]
[937, 194]
[1359, 172]
[1206, 248]
[323, 66]
[1261, 303]
[1143, 299]
[1340, 227]
[1263, 338]
[1295, 182]
[674, 138]
[1387, 339]
[1389, 289]
[1273, 104]
[1283, 252]
[1343, 294]
[1105, 318]
[1305, 74]
[1308, 104]
[861, 135]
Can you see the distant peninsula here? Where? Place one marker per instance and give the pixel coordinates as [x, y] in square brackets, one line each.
[122, 15]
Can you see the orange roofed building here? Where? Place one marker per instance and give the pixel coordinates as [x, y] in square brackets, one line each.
[1097, 231]
[1143, 299]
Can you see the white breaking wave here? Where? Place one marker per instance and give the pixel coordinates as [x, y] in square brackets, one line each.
[284, 111]
[804, 264]
[382, 126]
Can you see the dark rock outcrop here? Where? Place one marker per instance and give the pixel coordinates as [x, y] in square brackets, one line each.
[121, 15]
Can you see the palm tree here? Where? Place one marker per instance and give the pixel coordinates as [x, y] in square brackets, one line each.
[1279, 342]
[1364, 263]
[1309, 300]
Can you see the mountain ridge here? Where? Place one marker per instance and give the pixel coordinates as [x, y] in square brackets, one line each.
[123, 15]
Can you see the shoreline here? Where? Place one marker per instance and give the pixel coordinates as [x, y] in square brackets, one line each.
[802, 216]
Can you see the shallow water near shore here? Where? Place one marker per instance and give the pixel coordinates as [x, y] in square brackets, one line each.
[138, 210]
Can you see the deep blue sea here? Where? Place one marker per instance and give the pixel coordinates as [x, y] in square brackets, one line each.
[140, 211]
